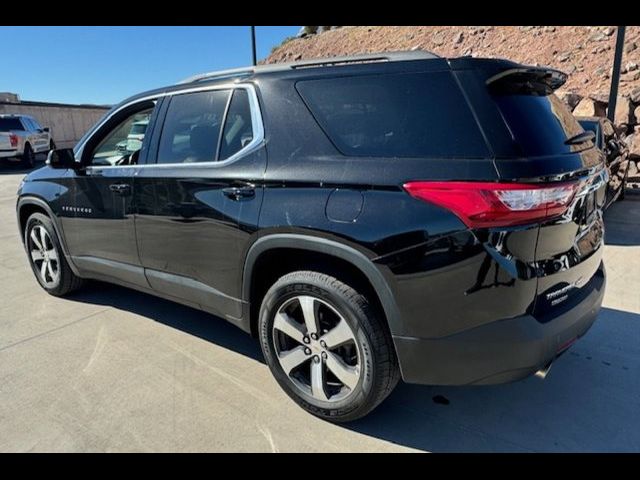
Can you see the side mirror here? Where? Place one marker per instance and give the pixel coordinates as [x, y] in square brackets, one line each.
[62, 158]
[46, 129]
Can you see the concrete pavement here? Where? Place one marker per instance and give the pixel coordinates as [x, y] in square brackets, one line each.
[109, 369]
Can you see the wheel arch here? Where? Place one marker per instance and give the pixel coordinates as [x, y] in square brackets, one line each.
[329, 255]
[27, 205]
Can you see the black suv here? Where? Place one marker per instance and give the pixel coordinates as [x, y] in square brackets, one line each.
[367, 218]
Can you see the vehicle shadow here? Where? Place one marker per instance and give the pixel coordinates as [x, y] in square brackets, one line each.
[622, 219]
[189, 320]
[10, 167]
[588, 402]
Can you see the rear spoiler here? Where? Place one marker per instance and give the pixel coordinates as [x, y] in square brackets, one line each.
[527, 81]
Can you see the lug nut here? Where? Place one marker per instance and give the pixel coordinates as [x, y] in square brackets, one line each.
[306, 339]
[307, 351]
[323, 344]
[324, 355]
[316, 359]
[314, 336]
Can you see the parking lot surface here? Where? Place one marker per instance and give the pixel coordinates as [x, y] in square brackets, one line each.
[110, 369]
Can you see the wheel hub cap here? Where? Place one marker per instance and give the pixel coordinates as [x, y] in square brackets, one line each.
[44, 256]
[316, 348]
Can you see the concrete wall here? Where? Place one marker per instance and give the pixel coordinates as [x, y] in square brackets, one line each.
[67, 122]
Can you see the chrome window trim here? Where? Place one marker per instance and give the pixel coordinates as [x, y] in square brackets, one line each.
[254, 144]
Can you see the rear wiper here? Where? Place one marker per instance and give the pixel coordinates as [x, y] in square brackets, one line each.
[580, 138]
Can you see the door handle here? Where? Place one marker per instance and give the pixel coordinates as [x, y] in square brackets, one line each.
[238, 193]
[123, 189]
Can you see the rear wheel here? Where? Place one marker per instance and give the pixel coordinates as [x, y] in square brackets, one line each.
[326, 345]
[52, 145]
[28, 157]
[46, 257]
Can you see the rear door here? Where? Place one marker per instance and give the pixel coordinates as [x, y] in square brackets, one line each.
[543, 143]
[198, 205]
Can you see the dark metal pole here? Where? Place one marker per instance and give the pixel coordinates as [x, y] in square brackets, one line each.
[615, 76]
[253, 45]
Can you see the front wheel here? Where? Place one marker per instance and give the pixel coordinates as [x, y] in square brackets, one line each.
[46, 257]
[327, 346]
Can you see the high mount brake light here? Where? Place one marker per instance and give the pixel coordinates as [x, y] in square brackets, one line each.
[488, 204]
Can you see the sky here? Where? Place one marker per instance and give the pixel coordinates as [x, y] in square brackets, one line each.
[104, 65]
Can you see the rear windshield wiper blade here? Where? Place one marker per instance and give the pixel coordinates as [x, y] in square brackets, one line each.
[580, 138]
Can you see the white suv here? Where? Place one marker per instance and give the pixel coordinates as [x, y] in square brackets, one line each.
[21, 137]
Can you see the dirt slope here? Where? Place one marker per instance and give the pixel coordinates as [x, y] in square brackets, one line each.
[586, 53]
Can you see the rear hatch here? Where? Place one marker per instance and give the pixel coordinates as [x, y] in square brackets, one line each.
[536, 140]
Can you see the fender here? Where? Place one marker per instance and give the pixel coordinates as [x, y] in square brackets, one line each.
[329, 247]
[32, 200]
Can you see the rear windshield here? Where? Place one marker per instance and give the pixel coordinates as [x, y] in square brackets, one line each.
[540, 124]
[395, 115]
[8, 124]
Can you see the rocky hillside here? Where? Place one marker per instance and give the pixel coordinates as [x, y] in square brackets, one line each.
[585, 53]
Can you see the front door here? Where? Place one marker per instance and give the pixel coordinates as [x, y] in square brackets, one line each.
[199, 204]
[97, 205]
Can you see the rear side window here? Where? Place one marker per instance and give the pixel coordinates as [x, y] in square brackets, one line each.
[238, 130]
[192, 127]
[395, 115]
[8, 124]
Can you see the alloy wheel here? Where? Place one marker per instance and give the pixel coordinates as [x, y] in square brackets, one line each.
[316, 348]
[44, 256]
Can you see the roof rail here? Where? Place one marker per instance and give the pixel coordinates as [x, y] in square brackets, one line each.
[317, 62]
[365, 58]
[232, 72]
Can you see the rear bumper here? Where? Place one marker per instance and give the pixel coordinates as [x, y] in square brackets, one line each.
[8, 153]
[498, 352]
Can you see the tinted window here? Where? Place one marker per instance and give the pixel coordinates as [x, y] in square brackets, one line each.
[192, 127]
[238, 130]
[403, 115]
[540, 125]
[7, 124]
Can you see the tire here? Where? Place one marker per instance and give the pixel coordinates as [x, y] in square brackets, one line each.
[58, 280]
[28, 157]
[367, 356]
[623, 187]
[52, 145]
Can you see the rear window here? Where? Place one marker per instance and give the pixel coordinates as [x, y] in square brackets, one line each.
[395, 115]
[540, 124]
[7, 124]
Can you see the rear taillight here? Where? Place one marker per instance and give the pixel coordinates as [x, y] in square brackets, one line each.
[486, 204]
[13, 138]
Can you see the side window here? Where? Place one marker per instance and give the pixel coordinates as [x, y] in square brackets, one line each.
[28, 126]
[36, 125]
[192, 127]
[121, 145]
[238, 130]
[395, 115]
